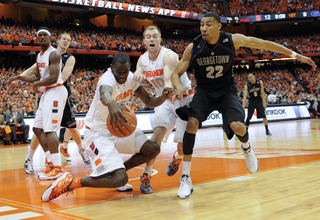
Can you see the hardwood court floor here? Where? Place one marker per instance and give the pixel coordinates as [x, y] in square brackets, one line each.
[287, 185]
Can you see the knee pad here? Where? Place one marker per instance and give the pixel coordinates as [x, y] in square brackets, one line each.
[245, 138]
[188, 143]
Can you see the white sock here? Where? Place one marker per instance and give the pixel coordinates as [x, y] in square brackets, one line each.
[48, 156]
[56, 159]
[245, 145]
[31, 153]
[65, 145]
[186, 168]
[148, 170]
[177, 155]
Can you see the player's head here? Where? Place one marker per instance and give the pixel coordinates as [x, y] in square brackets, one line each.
[44, 36]
[210, 26]
[64, 40]
[251, 78]
[120, 67]
[152, 38]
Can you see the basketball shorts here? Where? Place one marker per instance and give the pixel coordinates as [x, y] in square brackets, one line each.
[165, 116]
[68, 118]
[256, 104]
[50, 111]
[105, 150]
[205, 101]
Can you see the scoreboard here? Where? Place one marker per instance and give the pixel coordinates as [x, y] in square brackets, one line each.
[271, 17]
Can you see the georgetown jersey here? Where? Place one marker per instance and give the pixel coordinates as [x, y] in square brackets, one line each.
[66, 83]
[44, 65]
[254, 90]
[153, 71]
[97, 115]
[213, 64]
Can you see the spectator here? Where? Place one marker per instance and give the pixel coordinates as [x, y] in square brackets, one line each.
[16, 122]
[4, 130]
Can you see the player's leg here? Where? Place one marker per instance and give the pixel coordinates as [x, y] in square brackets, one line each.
[108, 170]
[265, 122]
[28, 164]
[164, 117]
[251, 108]
[75, 134]
[54, 103]
[233, 116]
[261, 114]
[64, 149]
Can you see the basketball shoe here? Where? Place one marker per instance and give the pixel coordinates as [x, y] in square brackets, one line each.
[53, 174]
[145, 184]
[252, 162]
[268, 133]
[173, 166]
[65, 154]
[125, 188]
[186, 188]
[58, 187]
[28, 166]
[85, 156]
[49, 166]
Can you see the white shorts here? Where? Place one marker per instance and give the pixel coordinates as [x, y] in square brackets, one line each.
[165, 116]
[105, 150]
[50, 111]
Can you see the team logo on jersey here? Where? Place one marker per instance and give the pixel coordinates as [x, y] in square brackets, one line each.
[124, 95]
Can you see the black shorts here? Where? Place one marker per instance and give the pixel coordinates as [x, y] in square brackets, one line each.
[204, 101]
[257, 104]
[68, 118]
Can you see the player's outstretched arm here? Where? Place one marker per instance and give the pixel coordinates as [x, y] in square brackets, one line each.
[245, 95]
[68, 68]
[240, 40]
[138, 74]
[152, 102]
[12, 82]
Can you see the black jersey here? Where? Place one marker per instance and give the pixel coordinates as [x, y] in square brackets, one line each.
[65, 56]
[254, 90]
[213, 64]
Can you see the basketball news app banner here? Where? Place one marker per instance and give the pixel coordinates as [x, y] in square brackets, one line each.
[130, 8]
[145, 119]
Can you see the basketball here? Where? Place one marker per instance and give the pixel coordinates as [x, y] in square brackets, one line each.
[129, 127]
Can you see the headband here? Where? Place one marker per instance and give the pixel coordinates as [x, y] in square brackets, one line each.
[43, 30]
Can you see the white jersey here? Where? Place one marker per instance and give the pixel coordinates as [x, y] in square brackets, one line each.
[154, 73]
[97, 115]
[44, 65]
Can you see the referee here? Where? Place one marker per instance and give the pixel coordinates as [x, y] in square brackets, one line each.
[256, 101]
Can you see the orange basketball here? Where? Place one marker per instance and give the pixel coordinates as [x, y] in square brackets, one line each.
[129, 127]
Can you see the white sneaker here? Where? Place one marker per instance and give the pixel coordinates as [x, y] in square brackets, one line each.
[252, 162]
[28, 166]
[125, 188]
[186, 187]
[85, 156]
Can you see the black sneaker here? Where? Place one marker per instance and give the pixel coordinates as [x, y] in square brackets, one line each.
[145, 184]
[268, 133]
[173, 166]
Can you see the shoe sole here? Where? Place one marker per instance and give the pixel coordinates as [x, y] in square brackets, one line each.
[127, 190]
[50, 178]
[188, 196]
[45, 193]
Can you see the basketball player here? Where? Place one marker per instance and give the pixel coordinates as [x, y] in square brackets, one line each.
[109, 171]
[211, 55]
[156, 65]
[49, 114]
[257, 101]
[68, 119]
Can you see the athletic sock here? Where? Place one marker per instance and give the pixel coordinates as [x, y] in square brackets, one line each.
[148, 170]
[186, 168]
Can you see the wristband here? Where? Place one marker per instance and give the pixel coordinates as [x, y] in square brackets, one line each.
[294, 54]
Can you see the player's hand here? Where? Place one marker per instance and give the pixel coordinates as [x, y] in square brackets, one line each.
[115, 114]
[180, 92]
[36, 88]
[139, 77]
[264, 106]
[11, 83]
[167, 93]
[306, 60]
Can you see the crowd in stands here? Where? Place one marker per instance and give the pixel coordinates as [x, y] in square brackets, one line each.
[257, 7]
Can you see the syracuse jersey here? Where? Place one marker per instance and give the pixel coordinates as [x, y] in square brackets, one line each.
[97, 115]
[154, 73]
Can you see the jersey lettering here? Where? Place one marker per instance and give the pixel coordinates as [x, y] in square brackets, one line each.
[124, 95]
[153, 73]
